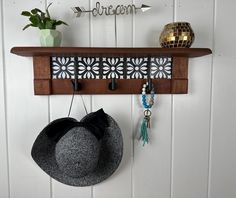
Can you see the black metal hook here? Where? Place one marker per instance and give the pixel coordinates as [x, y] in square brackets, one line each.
[75, 82]
[112, 85]
[76, 85]
[149, 80]
[149, 86]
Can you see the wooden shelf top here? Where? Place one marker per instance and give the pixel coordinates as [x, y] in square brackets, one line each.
[99, 51]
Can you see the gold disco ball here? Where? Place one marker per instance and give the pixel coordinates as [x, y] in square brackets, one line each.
[178, 34]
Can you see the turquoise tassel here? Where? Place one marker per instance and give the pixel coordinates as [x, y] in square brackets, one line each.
[144, 132]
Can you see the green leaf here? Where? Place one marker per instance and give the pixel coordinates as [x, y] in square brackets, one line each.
[49, 25]
[35, 20]
[60, 23]
[35, 11]
[41, 19]
[26, 13]
[28, 25]
[43, 16]
[41, 25]
[47, 19]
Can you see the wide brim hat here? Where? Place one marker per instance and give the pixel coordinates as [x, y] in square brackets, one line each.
[110, 154]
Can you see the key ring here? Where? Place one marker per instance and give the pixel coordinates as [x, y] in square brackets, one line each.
[147, 113]
[147, 103]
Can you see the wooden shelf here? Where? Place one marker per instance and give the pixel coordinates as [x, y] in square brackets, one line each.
[45, 84]
[88, 51]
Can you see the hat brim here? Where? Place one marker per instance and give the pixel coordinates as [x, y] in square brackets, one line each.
[111, 152]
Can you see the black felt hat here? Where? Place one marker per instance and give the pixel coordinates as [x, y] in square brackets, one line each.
[79, 153]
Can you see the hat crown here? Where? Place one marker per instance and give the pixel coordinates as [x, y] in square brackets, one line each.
[77, 152]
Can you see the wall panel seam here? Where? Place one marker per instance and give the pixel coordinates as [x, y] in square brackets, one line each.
[133, 27]
[5, 98]
[132, 114]
[211, 103]
[132, 146]
[174, 10]
[172, 147]
[172, 121]
[90, 25]
[49, 120]
[51, 188]
[91, 44]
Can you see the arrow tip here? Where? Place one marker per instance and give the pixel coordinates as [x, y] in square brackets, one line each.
[145, 8]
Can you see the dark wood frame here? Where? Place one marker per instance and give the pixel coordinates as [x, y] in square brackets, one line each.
[45, 85]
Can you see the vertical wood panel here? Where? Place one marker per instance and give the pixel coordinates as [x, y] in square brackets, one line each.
[59, 108]
[103, 34]
[151, 168]
[119, 184]
[119, 106]
[223, 158]
[149, 25]
[76, 34]
[26, 113]
[192, 111]
[4, 191]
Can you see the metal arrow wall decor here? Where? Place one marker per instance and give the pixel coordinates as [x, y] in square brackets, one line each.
[110, 10]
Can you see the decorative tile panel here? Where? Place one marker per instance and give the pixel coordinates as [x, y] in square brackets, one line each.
[62, 67]
[161, 68]
[88, 68]
[113, 68]
[137, 68]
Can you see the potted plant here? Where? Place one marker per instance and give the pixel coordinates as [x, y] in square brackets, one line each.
[49, 36]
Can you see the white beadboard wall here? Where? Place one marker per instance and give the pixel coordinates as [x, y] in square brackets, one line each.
[192, 150]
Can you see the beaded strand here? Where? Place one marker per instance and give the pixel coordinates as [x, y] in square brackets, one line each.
[147, 104]
[144, 97]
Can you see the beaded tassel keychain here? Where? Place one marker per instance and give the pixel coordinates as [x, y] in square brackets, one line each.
[145, 127]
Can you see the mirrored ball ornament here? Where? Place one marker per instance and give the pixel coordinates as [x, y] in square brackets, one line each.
[177, 34]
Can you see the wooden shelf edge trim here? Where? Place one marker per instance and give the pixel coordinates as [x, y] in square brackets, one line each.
[99, 51]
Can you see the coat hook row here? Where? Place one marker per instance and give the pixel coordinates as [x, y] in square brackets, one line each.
[112, 85]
